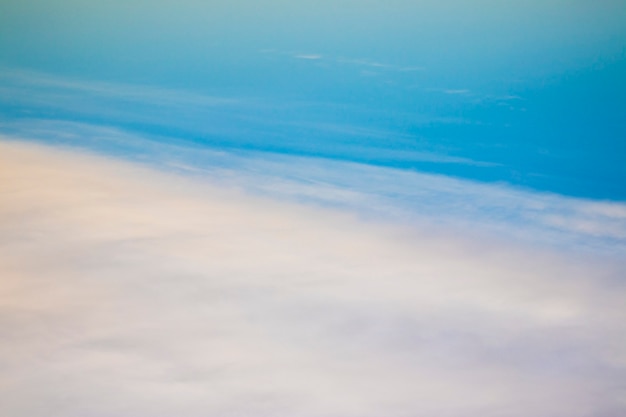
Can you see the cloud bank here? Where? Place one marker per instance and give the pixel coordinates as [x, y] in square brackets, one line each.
[390, 195]
[131, 291]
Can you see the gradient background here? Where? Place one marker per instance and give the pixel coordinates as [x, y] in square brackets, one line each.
[312, 208]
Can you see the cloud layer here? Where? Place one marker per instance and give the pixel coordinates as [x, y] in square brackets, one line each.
[392, 195]
[133, 292]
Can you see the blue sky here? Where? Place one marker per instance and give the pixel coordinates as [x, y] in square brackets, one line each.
[533, 91]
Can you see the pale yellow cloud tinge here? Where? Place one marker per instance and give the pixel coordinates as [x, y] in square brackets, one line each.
[131, 292]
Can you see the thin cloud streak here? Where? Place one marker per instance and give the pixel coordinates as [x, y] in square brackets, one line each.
[133, 292]
[342, 60]
[229, 122]
[308, 56]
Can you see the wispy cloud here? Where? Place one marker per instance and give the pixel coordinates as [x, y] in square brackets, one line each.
[308, 56]
[363, 62]
[223, 122]
[386, 193]
[21, 80]
[342, 60]
[130, 291]
[226, 124]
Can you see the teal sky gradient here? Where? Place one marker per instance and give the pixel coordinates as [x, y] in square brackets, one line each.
[537, 88]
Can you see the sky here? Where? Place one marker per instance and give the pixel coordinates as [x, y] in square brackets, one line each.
[298, 208]
[533, 90]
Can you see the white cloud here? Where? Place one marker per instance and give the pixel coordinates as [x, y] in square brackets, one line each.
[128, 291]
[342, 60]
[385, 193]
[308, 56]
